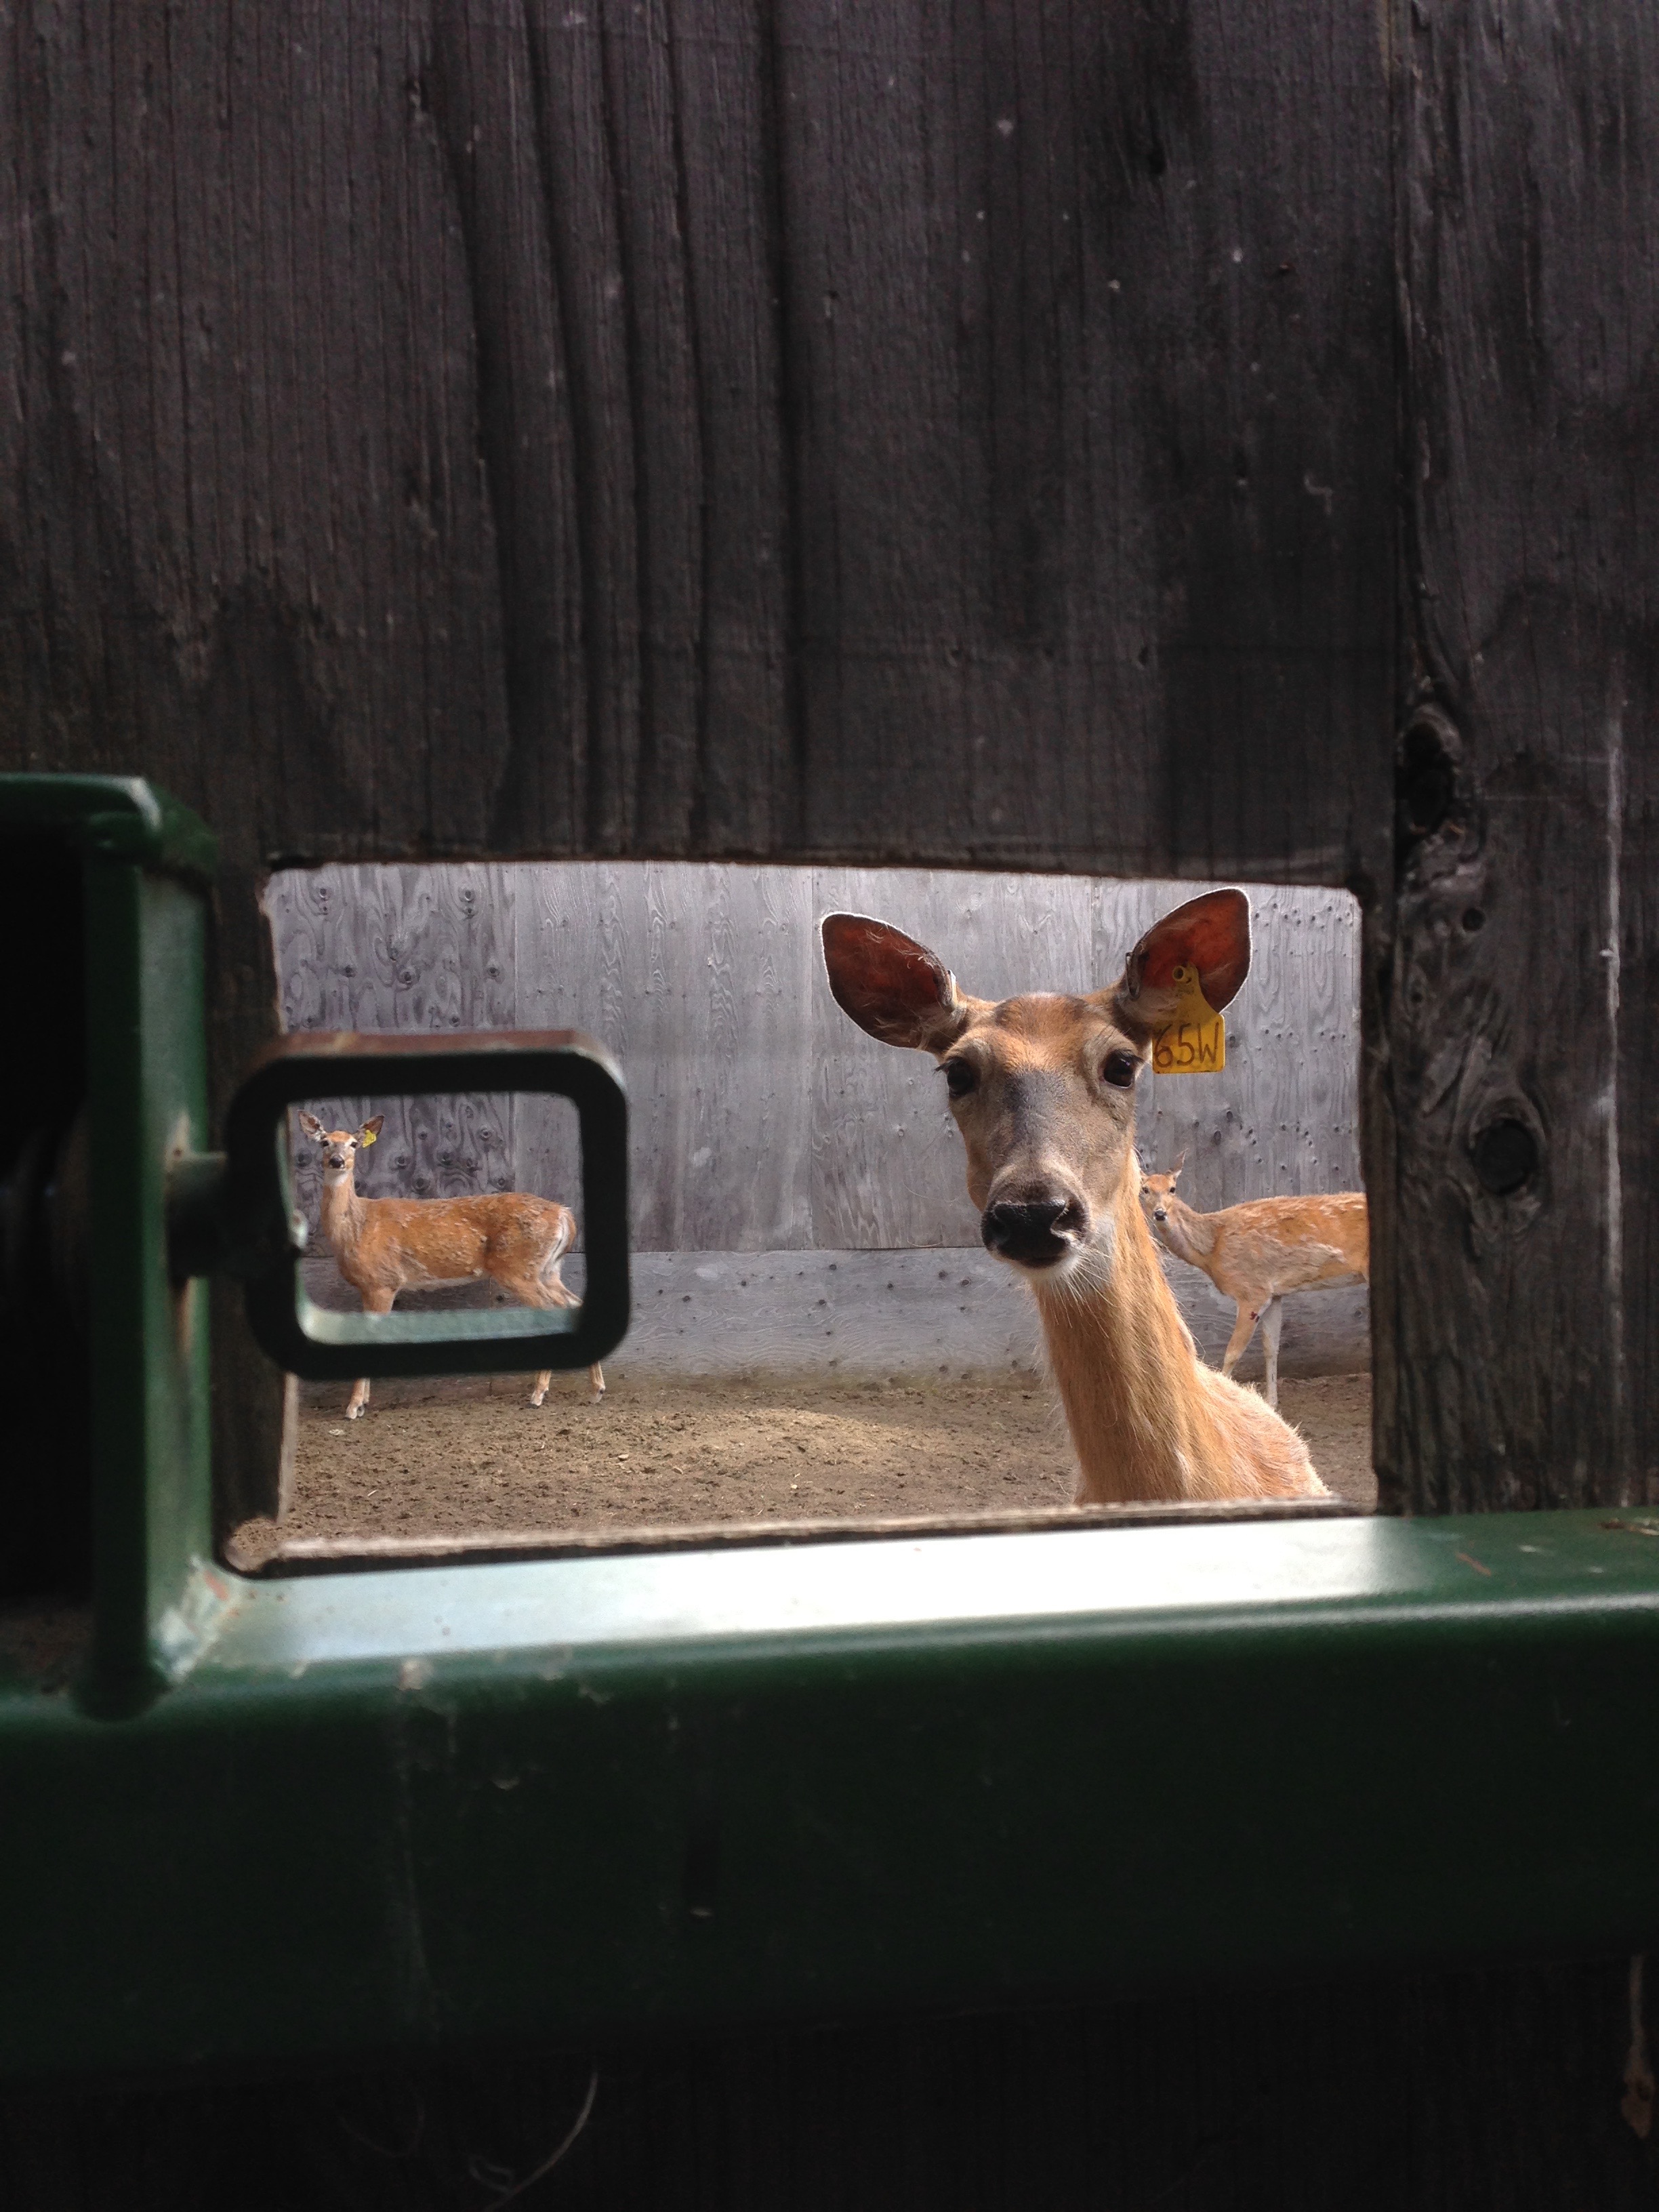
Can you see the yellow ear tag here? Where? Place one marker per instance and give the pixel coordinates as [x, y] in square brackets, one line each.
[368, 1137]
[1196, 1041]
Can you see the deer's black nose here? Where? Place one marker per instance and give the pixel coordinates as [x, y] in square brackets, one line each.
[1035, 1231]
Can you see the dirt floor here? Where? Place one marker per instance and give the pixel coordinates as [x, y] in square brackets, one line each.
[450, 1458]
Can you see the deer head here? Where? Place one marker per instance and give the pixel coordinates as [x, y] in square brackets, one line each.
[1157, 1191]
[1041, 1086]
[340, 1147]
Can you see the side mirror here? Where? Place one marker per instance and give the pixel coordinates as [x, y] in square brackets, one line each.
[233, 1212]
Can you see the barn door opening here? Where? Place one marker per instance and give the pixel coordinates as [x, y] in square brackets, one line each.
[819, 1332]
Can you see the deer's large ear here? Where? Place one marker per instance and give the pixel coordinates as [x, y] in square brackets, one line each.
[370, 1130]
[1212, 934]
[892, 986]
[312, 1127]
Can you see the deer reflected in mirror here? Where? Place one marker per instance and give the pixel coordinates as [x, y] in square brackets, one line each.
[384, 1245]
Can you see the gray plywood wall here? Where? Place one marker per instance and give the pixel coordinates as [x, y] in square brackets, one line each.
[762, 1119]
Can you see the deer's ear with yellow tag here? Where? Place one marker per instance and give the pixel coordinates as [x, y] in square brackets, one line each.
[371, 1130]
[1188, 965]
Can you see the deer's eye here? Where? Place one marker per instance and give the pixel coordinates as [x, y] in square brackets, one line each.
[1120, 1069]
[961, 1077]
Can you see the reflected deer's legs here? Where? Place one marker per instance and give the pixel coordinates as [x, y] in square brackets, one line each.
[565, 1297]
[595, 1373]
[374, 1301]
[535, 1290]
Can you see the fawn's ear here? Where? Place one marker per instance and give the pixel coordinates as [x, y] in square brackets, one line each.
[312, 1128]
[1175, 1171]
[370, 1130]
[1212, 934]
[892, 986]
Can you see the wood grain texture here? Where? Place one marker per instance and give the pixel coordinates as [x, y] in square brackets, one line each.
[761, 1119]
[1516, 979]
[897, 433]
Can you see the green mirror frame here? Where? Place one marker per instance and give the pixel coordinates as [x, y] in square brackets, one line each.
[305, 1339]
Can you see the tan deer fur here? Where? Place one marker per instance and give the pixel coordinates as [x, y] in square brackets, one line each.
[384, 1245]
[1257, 1253]
[1042, 1089]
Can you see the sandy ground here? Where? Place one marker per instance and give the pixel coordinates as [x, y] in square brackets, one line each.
[449, 1459]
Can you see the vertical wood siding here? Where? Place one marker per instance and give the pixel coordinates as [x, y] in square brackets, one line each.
[1519, 964]
[763, 1120]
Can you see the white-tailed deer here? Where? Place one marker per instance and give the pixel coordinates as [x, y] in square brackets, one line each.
[1256, 1252]
[384, 1245]
[1042, 1089]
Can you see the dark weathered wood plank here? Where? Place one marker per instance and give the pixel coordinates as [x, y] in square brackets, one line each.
[885, 434]
[1520, 1337]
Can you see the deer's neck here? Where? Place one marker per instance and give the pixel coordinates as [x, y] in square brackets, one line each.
[1190, 1236]
[342, 1212]
[1125, 1370]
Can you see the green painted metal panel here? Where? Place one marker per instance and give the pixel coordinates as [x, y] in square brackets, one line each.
[580, 1797]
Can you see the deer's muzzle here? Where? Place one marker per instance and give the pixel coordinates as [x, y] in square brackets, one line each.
[1033, 1232]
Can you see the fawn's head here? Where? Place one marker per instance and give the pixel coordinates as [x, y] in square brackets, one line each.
[1157, 1191]
[340, 1147]
[1041, 1086]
